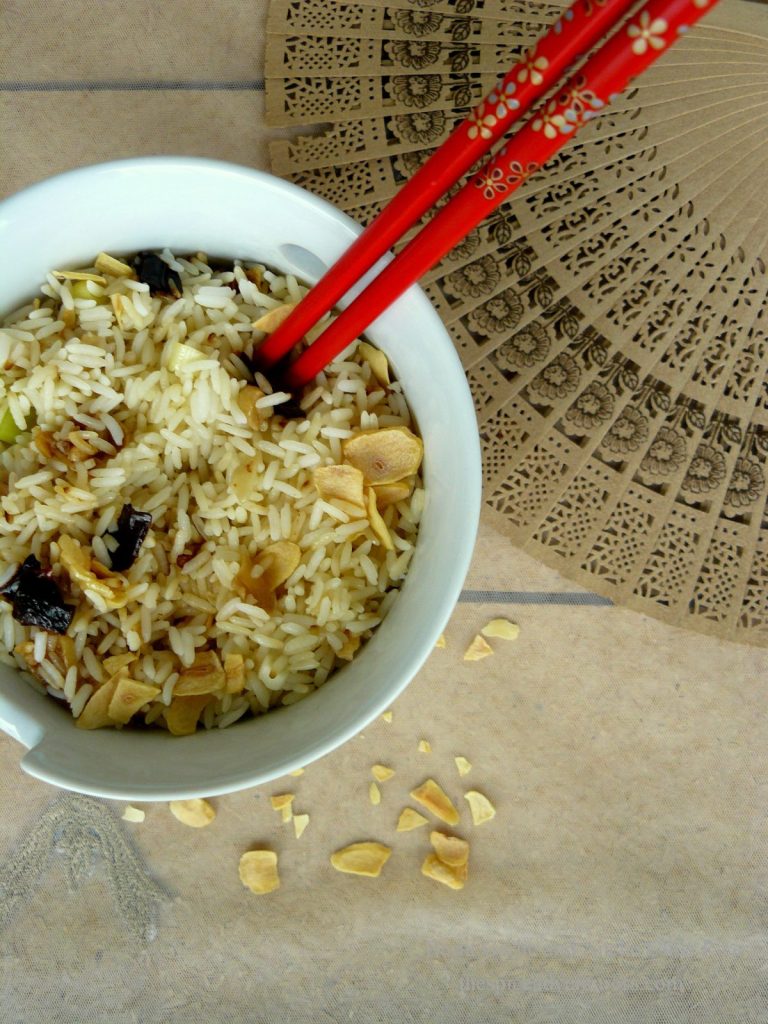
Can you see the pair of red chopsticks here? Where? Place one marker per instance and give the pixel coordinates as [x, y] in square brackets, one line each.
[636, 44]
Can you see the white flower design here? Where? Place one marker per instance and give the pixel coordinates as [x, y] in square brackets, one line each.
[647, 33]
[551, 122]
[492, 183]
[519, 174]
[502, 101]
[481, 124]
[532, 66]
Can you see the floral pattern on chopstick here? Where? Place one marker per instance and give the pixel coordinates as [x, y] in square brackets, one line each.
[626, 54]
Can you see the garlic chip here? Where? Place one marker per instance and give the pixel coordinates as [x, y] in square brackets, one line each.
[481, 807]
[234, 673]
[246, 400]
[501, 628]
[477, 649]
[115, 662]
[377, 362]
[390, 494]
[361, 859]
[440, 642]
[92, 577]
[195, 813]
[431, 796]
[453, 877]
[182, 714]
[342, 483]
[272, 320]
[374, 794]
[425, 747]
[281, 800]
[299, 771]
[134, 814]
[95, 714]
[381, 772]
[384, 456]
[387, 716]
[78, 275]
[129, 696]
[258, 871]
[450, 849]
[300, 822]
[204, 675]
[410, 819]
[463, 765]
[107, 264]
[378, 525]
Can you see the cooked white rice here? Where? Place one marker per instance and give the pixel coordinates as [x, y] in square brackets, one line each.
[169, 442]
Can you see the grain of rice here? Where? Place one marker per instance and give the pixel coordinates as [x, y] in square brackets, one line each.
[80, 699]
[40, 646]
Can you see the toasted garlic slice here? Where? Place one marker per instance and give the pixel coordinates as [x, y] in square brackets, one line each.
[481, 807]
[450, 849]
[501, 628]
[195, 813]
[258, 871]
[339, 483]
[361, 859]
[436, 800]
[453, 877]
[478, 649]
[272, 320]
[410, 819]
[386, 455]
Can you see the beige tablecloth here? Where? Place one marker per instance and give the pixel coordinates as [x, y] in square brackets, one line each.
[623, 878]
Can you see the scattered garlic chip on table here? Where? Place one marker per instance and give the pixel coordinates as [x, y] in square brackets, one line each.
[382, 772]
[478, 649]
[300, 822]
[453, 877]
[501, 628]
[440, 642]
[374, 794]
[195, 813]
[463, 765]
[134, 814]
[366, 858]
[436, 800]
[410, 819]
[425, 747]
[258, 871]
[451, 850]
[481, 807]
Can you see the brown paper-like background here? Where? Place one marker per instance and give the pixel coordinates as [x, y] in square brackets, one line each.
[623, 879]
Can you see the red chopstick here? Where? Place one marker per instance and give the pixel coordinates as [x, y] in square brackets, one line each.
[632, 48]
[573, 34]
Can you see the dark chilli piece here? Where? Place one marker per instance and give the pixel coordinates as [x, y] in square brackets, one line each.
[154, 271]
[36, 598]
[132, 528]
[290, 410]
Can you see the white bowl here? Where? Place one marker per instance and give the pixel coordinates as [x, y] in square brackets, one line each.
[231, 211]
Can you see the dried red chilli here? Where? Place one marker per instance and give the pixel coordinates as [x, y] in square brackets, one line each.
[154, 271]
[36, 598]
[132, 529]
